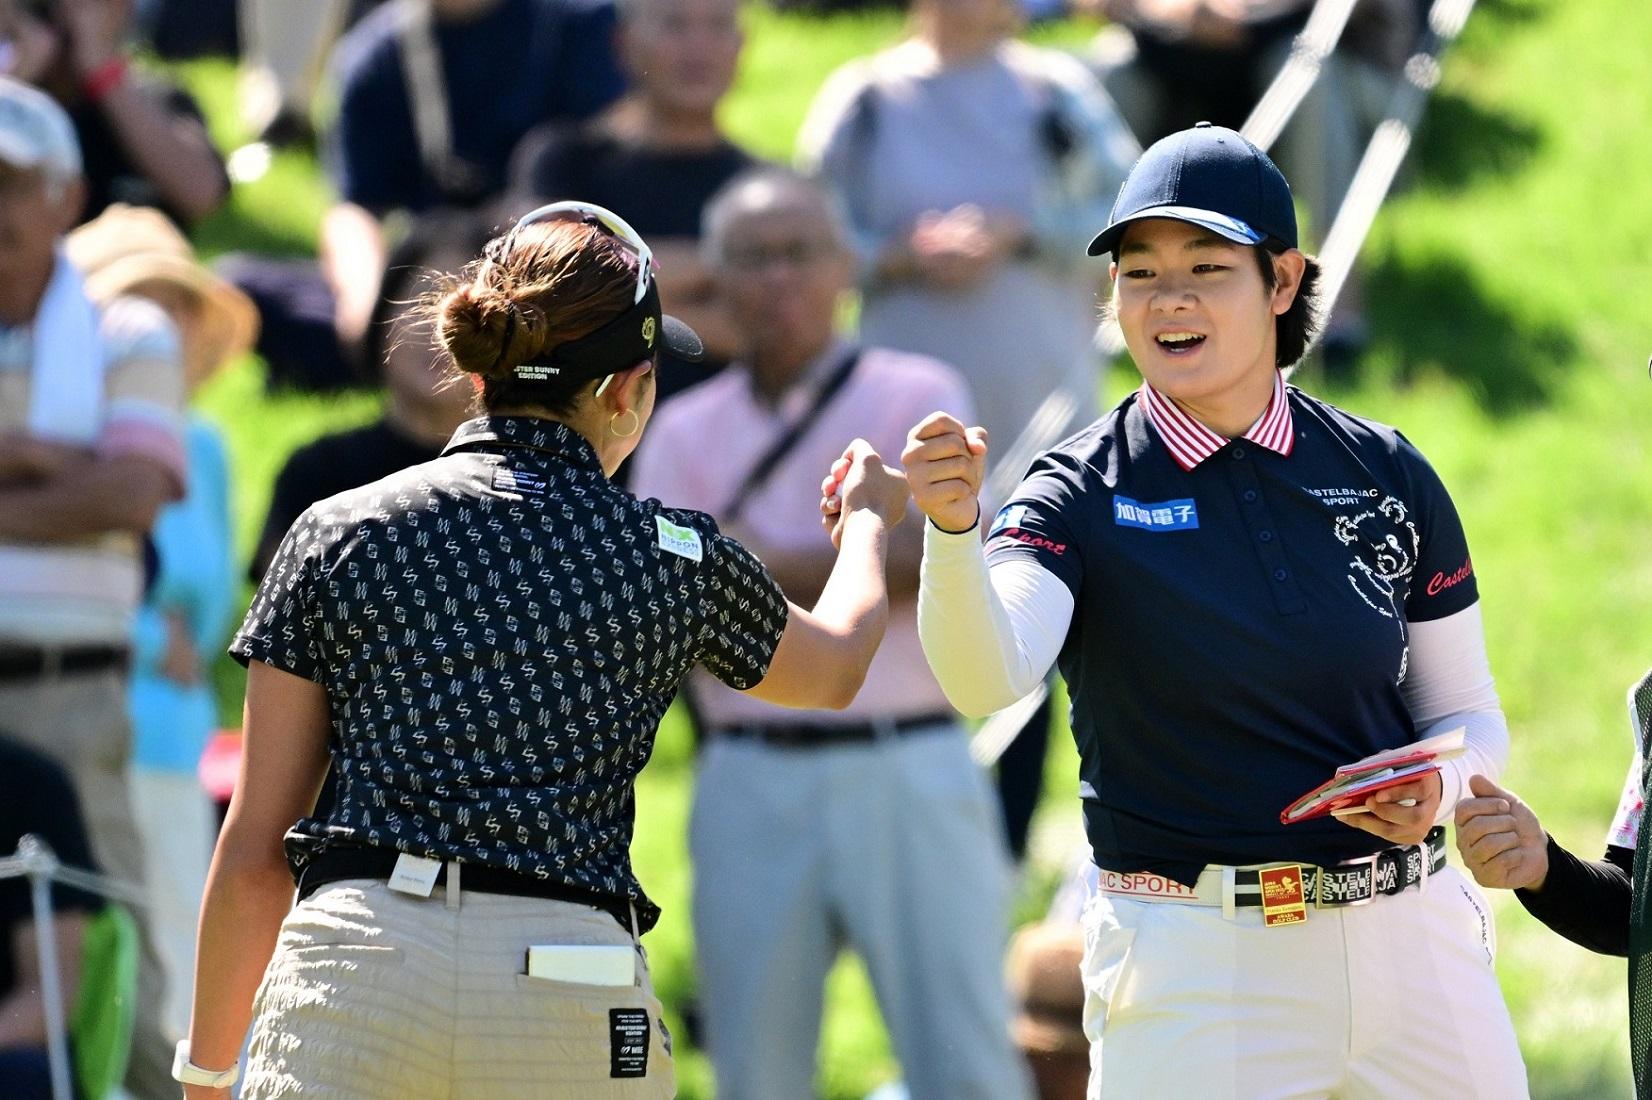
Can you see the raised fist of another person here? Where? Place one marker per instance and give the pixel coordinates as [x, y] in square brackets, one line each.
[945, 464]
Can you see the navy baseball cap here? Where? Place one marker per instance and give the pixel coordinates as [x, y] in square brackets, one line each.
[1210, 176]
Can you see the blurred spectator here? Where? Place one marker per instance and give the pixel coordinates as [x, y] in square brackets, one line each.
[91, 447]
[657, 157]
[284, 45]
[1048, 991]
[184, 621]
[142, 140]
[974, 170]
[36, 797]
[870, 826]
[1172, 63]
[423, 405]
[433, 97]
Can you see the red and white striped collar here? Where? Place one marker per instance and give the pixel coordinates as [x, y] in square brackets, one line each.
[1190, 442]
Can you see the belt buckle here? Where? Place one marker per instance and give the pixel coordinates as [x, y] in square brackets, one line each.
[1369, 862]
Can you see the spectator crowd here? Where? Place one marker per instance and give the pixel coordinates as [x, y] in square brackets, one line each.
[951, 180]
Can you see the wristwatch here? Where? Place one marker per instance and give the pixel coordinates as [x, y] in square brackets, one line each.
[186, 1072]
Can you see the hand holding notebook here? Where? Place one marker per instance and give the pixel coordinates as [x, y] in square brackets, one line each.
[1346, 791]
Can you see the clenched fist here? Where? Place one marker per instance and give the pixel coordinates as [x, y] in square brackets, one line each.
[945, 465]
[1500, 838]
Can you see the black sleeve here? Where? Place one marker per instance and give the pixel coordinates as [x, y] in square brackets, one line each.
[283, 626]
[1588, 903]
[742, 616]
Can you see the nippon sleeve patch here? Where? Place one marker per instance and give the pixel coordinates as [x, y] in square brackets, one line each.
[628, 1032]
[682, 541]
[1168, 515]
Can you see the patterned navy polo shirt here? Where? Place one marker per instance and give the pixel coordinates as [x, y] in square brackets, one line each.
[1240, 618]
[499, 632]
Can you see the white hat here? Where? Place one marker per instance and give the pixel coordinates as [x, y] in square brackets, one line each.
[35, 132]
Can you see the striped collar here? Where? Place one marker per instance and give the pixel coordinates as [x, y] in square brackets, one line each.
[1190, 442]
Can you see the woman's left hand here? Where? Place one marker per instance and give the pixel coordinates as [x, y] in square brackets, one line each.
[1397, 823]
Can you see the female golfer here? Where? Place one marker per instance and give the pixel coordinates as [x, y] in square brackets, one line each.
[1245, 588]
[480, 648]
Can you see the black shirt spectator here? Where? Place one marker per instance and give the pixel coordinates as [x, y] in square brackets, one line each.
[36, 797]
[327, 467]
[409, 599]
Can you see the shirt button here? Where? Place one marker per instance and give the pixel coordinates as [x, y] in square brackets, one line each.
[1250, 496]
[1238, 451]
[1265, 536]
[1280, 574]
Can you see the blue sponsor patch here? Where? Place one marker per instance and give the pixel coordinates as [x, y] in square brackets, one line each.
[1010, 515]
[1168, 515]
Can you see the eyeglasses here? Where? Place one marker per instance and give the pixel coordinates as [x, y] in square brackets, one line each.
[611, 223]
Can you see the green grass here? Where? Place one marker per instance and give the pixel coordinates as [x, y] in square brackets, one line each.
[1510, 326]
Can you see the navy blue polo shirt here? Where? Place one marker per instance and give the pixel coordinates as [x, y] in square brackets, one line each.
[1240, 619]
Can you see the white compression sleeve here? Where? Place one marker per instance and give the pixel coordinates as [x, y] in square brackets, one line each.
[990, 635]
[1448, 684]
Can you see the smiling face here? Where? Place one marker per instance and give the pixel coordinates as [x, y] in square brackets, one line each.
[1197, 316]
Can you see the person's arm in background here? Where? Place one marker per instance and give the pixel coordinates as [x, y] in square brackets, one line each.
[352, 251]
[171, 150]
[1089, 150]
[137, 463]
[216, 596]
[1504, 846]
[249, 889]
[834, 146]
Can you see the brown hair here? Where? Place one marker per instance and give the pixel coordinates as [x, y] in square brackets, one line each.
[529, 292]
[1293, 329]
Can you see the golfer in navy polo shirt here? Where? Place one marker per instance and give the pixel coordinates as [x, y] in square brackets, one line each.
[1245, 588]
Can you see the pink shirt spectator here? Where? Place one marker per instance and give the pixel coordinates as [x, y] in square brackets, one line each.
[701, 445]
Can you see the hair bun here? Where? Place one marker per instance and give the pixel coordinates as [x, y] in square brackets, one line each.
[486, 331]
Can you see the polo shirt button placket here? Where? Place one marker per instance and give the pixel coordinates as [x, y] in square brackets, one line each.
[1270, 549]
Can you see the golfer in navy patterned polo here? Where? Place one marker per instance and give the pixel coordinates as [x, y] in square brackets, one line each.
[1244, 588]
[481, 648]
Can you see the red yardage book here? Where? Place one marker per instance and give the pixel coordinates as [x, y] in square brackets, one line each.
[1347, 790]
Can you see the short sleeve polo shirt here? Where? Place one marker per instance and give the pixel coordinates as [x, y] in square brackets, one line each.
[499, 633]
[1240, 619]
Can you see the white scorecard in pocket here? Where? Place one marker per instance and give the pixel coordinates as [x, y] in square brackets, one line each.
[682, 541]
[587, 963]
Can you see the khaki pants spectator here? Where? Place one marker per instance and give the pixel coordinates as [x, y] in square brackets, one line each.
[79, 720]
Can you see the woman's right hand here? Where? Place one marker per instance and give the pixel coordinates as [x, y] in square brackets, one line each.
[946, 464]
[859, 481]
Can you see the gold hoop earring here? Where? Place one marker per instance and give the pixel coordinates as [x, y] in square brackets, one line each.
[636, 422]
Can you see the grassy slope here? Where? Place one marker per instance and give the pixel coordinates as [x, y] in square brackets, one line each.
[1509, 341]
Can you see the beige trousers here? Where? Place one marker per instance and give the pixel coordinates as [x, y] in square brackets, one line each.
[378, 995]
[80, 721]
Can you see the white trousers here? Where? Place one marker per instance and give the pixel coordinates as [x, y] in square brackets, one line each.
[175, 822]
[893, 848]
[1397, 998]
